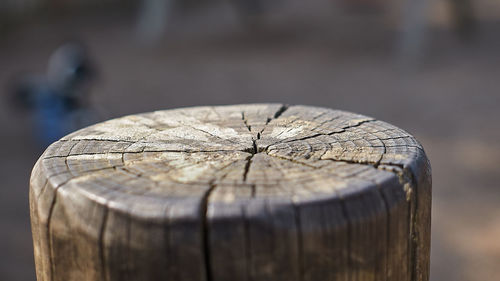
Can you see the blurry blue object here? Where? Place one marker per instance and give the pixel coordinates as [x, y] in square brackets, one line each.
[58, 100]
[50, 116]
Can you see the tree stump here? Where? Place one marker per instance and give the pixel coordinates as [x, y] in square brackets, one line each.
[246, 192]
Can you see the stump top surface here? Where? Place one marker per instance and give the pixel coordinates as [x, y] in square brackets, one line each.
[227, 154]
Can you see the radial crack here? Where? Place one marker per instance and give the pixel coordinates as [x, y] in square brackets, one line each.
[277, 114]
[210, 134]
[247, 167]
[342, 130]
[245, 121]
[280, 111]
[293, 161]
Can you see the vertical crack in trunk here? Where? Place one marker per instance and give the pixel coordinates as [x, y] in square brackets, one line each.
[349, 226]
[205, 231]
[408, 182]
[101, 243]
[300, 247]
[411, 193]
[387, 209]
[49, 236]
[205, 228]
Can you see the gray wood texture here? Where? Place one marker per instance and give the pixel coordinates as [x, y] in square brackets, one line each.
[245, 192]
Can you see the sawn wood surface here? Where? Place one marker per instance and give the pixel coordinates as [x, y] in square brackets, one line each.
[245, 192]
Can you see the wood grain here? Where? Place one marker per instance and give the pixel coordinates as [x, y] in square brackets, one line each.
[245, 192]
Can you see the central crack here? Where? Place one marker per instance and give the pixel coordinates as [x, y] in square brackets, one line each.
[252, 150]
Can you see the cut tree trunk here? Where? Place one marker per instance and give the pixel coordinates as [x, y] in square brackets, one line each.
[246, 192]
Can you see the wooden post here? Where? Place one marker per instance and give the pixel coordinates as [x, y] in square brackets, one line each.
[245, 192]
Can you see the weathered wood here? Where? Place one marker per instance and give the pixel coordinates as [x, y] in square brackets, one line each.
[247, 192]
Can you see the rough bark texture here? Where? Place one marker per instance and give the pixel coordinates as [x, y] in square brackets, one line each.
[246, 192]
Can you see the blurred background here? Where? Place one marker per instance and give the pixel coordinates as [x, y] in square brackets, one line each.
[430, 67]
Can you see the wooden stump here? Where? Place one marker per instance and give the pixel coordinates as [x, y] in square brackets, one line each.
[245, 192]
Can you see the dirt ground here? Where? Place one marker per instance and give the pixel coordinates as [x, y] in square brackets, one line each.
[450, 102]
